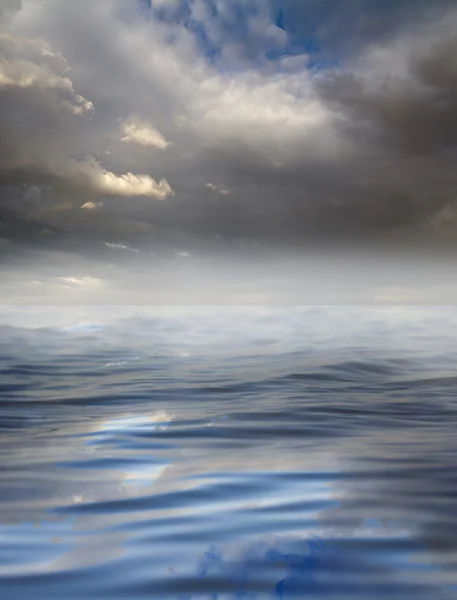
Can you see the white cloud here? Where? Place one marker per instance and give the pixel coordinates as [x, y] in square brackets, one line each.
[92, 205]
[218, 190]
[138, 132]
[34, 77]
[121, 247]
[130, 185]
[81, 281]
[31, 63]
[89, 174]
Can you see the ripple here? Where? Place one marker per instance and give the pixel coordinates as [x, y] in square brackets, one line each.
[302, 456]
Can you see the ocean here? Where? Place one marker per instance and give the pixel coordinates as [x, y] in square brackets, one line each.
[213, 452]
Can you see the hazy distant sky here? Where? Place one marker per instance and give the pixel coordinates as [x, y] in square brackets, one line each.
[281, 120]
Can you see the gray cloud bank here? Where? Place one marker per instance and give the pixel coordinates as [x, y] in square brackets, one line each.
[109, 109]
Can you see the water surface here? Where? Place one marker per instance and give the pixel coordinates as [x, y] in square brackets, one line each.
[211, 452]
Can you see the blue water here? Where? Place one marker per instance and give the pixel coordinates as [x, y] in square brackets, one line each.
[217, 453]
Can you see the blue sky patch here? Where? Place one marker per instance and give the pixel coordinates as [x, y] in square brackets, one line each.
[235, 27]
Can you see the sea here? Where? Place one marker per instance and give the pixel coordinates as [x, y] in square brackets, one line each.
[222, 452]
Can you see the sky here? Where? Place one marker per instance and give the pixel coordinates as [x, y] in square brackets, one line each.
[132, 124]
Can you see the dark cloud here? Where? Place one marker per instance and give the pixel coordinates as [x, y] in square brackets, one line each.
[9, 5]
[105, 109]
[339, 31]
[415, 114]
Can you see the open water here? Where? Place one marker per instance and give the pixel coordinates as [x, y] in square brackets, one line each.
[228, 452]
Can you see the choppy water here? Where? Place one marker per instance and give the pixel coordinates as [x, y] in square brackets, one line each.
[228, 453]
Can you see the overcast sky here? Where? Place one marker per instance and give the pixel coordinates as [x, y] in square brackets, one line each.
[258, 119]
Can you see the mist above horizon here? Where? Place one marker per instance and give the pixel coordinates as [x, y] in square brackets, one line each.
[117, 274]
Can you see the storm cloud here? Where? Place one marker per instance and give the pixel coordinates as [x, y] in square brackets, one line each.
[252, 119]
